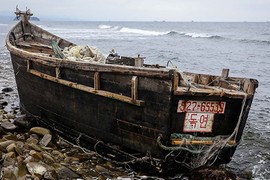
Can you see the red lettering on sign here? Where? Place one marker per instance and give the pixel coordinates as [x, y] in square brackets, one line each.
[203, 120]
[198, 122]
[193, 120]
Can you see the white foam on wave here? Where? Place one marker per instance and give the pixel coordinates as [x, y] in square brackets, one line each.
[115, 28]
[102, 26]
[3, 24]
[107, 27]
[142, 32]
[198, 35]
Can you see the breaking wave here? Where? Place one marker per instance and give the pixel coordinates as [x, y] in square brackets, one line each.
[142, 32]
[132, 30]
[158, 33]
[254, 41]
[195, 35]
[108, 27]
[173, 33]
[102, 26]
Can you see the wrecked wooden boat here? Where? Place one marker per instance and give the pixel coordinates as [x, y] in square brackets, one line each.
[127, 110]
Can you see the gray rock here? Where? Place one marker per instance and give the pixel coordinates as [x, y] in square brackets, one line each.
[36, 168]
[23, 122]
[101, 169]
[2, 131]
[6, 143]
[30, 159]
[7, 89]
[2, 112]
[8, 125]
[212, 173]
[45, 140]
[32, 140]
[58, 156]
[35, 154]
[11, 147]
[66, 173]
[8, 173]
[22, 171]
[35, 147]
[20, 147]
[48, 159]
[3, 103]
[9, 159]
[40, 130]
[50, 175]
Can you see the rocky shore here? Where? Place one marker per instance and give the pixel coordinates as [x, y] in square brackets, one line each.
[30, 151]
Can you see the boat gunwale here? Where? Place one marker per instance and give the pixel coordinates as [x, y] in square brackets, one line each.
[88, 66]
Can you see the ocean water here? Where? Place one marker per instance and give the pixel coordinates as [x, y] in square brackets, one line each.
[202, 47]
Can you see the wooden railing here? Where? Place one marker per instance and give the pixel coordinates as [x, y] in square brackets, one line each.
[93, 90]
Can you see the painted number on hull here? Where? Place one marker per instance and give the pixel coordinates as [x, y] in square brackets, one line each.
[201, 106]
[199, 115]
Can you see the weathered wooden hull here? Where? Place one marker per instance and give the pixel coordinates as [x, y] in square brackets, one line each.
[136, 108]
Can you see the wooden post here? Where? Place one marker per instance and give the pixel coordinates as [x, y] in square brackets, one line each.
[175, 81]
[225, 73]
[29, 65]
[96, 81]
[138, 61]
[134, 88]
[57, 72]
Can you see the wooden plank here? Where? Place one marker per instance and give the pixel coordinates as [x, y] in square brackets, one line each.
[204, 79]
[33, 44]
[193, 91]
[138, 128]
[87, 88]
[175, 81]
[197, 142]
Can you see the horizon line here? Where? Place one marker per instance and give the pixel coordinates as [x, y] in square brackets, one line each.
[11, 18]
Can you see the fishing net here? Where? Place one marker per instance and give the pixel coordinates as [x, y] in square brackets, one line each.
[84, 53]
[193, 152]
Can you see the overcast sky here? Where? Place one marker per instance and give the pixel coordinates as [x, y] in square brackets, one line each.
[144, 10]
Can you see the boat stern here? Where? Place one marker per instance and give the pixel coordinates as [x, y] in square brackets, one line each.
[208, 116]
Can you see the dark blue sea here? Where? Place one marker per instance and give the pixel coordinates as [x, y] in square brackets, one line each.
[201, 47]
